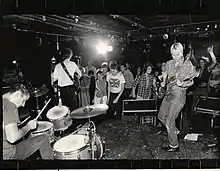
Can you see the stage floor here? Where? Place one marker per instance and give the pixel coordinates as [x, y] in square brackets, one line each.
[126, 140]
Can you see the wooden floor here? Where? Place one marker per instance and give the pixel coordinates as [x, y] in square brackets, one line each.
[131, 140]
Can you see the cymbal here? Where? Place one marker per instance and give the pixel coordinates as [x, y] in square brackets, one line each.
[40, 91]
[89, 111]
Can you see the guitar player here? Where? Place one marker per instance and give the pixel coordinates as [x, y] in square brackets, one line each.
[64, 73]
[180, 73]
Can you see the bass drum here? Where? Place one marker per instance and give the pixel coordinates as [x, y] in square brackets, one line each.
[77, 147]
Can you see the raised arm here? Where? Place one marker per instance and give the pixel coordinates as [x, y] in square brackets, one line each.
[210, 51]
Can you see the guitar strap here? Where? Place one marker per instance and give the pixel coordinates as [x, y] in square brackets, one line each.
[67, 72]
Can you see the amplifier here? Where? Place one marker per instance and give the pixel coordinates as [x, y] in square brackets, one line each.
[201, 123]
[206, 111]
[208, 105]
[139, 106]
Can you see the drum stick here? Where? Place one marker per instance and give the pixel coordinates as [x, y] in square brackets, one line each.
[24, 120]
[43, 109]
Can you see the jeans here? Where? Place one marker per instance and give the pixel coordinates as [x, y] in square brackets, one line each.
[126, 93]
[169, 111]
[114, 106]
[28, 147]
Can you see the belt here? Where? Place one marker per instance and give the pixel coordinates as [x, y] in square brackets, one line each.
[66, 86]
[203, 85]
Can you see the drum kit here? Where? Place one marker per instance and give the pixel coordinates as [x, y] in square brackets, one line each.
[82, 144]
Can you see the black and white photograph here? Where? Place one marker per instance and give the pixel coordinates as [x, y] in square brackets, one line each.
[110, 87]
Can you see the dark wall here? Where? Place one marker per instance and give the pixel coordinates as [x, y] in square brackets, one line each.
[34, 60]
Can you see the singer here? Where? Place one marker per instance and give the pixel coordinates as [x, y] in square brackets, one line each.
[13, 148]
[64, 74]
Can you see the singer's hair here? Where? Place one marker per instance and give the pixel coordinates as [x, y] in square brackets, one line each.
[176, 47]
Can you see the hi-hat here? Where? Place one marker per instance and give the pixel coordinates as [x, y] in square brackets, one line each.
[89, 111]
[40, 91]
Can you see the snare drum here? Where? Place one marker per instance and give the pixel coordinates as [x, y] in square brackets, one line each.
[45, 128]
[59, 116]
[77, 147]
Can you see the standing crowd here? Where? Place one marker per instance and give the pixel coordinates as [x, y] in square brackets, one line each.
[111, 84]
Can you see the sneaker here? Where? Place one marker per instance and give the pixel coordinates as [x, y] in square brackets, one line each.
[170, 149]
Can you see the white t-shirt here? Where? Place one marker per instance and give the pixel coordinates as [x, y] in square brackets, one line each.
[62, 77]
[115, 82]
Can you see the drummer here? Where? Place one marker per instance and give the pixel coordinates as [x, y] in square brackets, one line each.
[13, 147]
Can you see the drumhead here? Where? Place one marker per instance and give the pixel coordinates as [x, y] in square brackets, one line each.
[57, 112]
[43, 126]
[70, 143]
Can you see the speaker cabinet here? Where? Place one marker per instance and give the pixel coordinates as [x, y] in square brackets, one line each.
[139, 106]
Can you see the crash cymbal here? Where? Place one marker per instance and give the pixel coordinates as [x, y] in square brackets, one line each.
[89, 111]
[40, 91]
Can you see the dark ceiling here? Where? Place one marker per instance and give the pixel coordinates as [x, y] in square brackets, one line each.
[133, 26]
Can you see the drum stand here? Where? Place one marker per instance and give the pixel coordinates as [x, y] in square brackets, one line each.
[38, 109]
[91, 138]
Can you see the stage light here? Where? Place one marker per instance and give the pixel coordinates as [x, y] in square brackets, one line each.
[14, 62]
[165, 36]
[216, 25]
[207, 25]
[102, 48]
[198, 28]
[53, 60]
[110, 48]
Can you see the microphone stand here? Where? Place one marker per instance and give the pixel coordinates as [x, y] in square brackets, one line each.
[79, 93]
[91, 137]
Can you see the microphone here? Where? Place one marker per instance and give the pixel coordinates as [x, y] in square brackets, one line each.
[58, 43]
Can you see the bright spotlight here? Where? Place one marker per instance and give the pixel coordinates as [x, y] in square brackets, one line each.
[14, 62]
[102, 48]
[110, 48]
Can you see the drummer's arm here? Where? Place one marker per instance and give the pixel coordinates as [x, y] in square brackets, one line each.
[13, 133]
